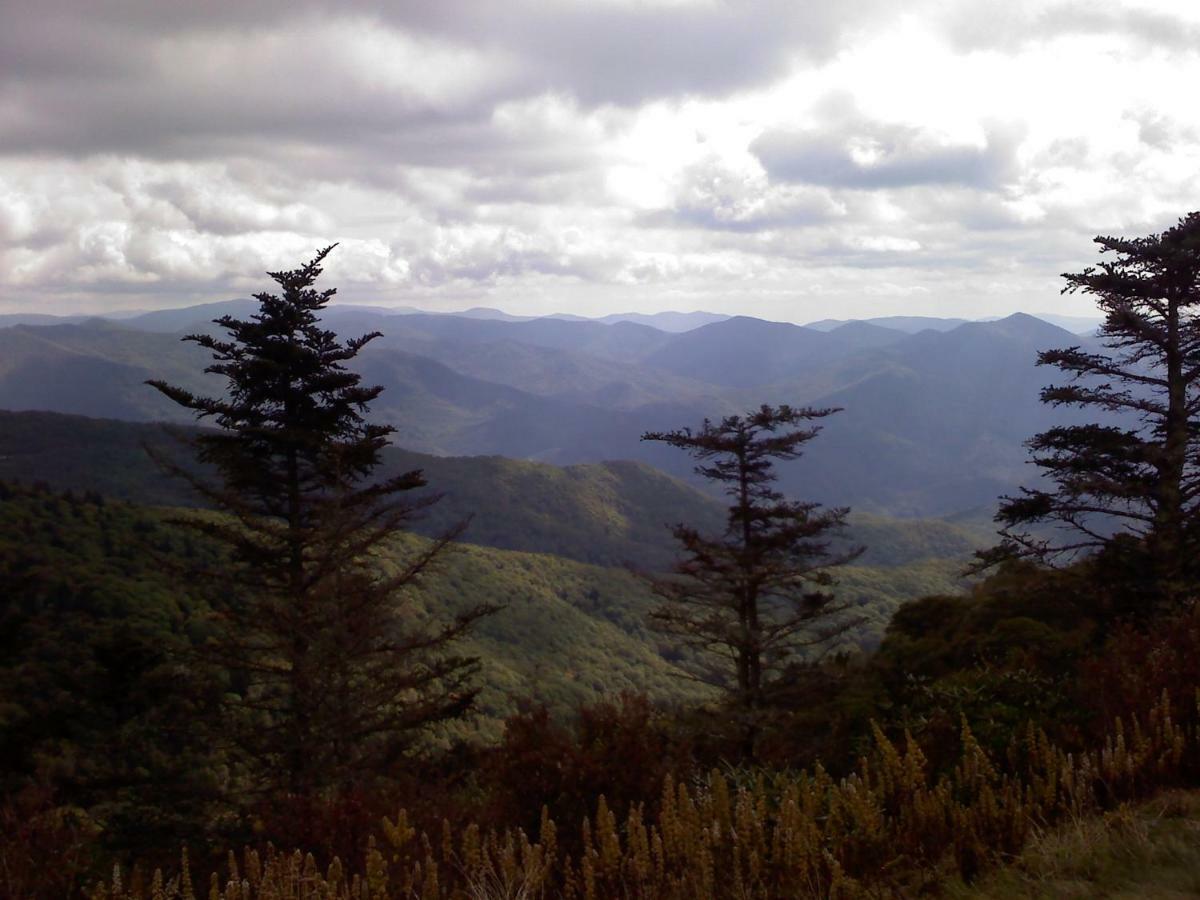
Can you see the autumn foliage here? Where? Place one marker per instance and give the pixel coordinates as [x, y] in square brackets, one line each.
[890, 828]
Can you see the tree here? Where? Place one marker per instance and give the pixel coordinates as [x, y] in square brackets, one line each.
[334, 673]
[1129, 487]
[750, 600]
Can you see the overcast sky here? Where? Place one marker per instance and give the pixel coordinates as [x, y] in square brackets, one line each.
[790, 159]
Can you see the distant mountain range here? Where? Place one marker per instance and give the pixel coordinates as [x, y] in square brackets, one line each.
[181, 319]
[913, 324]
[933, 422]
[907, 324]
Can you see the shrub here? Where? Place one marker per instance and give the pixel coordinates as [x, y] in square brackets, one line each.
[890, 828]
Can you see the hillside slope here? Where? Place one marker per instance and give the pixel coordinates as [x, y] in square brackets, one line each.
[603, 513]
[569, 632]
[608, 513]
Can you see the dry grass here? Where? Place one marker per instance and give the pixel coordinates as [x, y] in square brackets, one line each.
[892, 829]
[1151, 850]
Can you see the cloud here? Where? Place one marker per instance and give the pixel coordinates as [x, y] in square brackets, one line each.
[215, 93]
[632, 52]
[1149, 26]
[711, 194]
[859, 153]
[1160, 132]
[586, 155]
[184, 80]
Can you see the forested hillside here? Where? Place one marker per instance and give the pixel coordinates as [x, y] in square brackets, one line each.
[96, 618]
[94, 586]
[609, 513]
[101, 606]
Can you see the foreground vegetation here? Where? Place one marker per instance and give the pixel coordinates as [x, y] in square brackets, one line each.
[107, 754]
[889, 828]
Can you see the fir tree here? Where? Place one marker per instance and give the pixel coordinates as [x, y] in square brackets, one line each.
[1131, 486]
[334, 673]
[752, 601]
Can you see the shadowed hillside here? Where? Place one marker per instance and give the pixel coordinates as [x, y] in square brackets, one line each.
[604, 513]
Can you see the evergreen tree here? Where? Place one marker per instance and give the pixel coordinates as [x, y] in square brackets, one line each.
[751, 600]
[334, 673]
[1130, 487]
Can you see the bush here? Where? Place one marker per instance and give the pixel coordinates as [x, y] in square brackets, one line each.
[889, 829]
[621, 749]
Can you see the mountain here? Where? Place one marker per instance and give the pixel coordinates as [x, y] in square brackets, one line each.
[1074, 324]
[570, 633]
[485, 312]
[99, 369]
[939, 426]
[666, 321]
[621, 340]
[191, 318]
[94, 368]
[738, 352]
[907, 324]
[933, 422]
[545, 371]
[8, 320]
[438, 410]
[606, 513]
[675, 322]
[893, 542]
[745, 352]
[913, 324]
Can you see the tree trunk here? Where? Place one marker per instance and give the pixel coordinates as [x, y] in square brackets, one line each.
[1166, 541]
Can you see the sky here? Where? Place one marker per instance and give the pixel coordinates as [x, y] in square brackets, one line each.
[787, 159]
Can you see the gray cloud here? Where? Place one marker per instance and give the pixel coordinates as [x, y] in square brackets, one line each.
[630, 53]
[714, 196]
[185, 80]
[1151, 28]
[223, 208]
[227, 94]
[856, 153]
[983, 24]
[1160, 132]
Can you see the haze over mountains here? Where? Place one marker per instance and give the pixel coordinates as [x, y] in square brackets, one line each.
[932, 424]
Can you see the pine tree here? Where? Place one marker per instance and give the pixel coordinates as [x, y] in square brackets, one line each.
[1130, 486]
[751, 601]
[334, 672]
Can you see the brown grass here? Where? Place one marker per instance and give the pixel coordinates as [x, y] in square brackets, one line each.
[889, 830]
[1151, 850]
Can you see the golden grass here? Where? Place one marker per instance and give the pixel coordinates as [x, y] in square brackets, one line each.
[1151, 850]
[891, 829]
